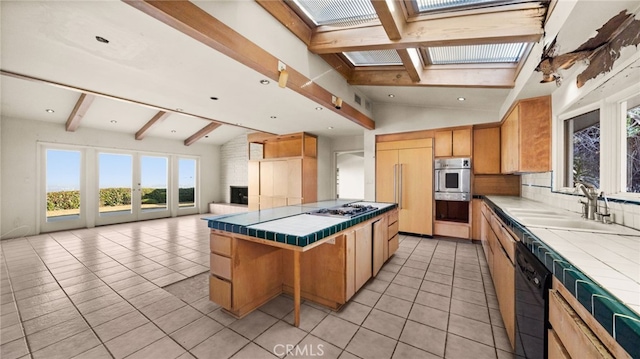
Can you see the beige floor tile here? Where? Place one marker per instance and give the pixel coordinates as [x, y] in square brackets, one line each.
[368, 344]
[56, 333]
[99, 303]
[470, 310]
[469, 284]
[471, 329]
[278, 307]
[366, 297]
[402, 292]
[162, 307]
[313, 347]
[469, 296]
[429, 316]
[412, 272]
[36, 300]
[163, 348]
[196, 332]
[377, 285]
[353, 312]
[120, 325]
[204, 305]
[253, 351]
[407, 281]
[501, 339]
[335, 331]
[220, 316]
[134, 340]
[385, 275]
[108, 313]
[69, 347]
[223, 344]
[459, 348]
[280, 335]
[99, 352]
[404, 351]
[90, 294]
[433, 300]
[309, 317]
[252, 325]
[149, 297]
[11, 333]
[15, 349]
[439, 278]
[424, 337]
[177, 319]
[384, 323]
[417, 262]
[45, 308]
[393, 305]
[436, 288]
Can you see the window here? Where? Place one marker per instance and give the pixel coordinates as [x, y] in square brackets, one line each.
[154, 183]
[583, 149]
[476, 54]
[115, 175]
[187, 183]
[631, 146]
[63, 184]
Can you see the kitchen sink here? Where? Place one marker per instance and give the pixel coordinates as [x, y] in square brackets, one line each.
[534, 212]
[575, 224]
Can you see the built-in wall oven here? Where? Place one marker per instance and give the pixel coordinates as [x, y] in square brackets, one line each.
[453, 179]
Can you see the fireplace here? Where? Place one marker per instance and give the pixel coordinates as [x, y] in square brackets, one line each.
[239, 194]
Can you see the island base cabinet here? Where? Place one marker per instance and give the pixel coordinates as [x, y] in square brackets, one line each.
[555, 348]
[220, 292]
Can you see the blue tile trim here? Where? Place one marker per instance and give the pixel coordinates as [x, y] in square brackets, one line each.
[621, 322]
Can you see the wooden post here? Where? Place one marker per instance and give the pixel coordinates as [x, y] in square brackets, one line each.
[296, 288]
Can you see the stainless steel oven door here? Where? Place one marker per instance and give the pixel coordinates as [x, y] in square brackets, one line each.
[453, 181]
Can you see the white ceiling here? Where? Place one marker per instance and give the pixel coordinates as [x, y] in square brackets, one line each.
[148, 62]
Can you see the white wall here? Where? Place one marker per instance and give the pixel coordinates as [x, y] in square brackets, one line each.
[351, 180]
[326, 179]
[234, 164]
[20, 179]
[392, 118]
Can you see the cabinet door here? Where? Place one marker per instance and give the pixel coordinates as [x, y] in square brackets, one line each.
[505, 290]
[294, 178]
[444, 144]
[509, 143]
[462, 142]
[416, 190]
[280, 183]
[486, 150]
[363, 247]
[266, 178]
[387, 176]
[475, 218]
[380, 240]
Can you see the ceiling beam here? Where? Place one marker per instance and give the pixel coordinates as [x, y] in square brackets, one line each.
[494, 27]
[203, 132]
[448, 77]
[287, 17]
[410, 64]
[159, 117]
[79, 110]
[191, 20]
[392, 20]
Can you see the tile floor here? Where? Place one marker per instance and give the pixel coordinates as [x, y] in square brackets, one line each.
[120, 292]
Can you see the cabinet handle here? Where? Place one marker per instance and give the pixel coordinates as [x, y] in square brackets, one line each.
[401, 186]
[395, 183]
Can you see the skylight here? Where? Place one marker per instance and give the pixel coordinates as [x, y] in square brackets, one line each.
[374, 58]
[436, 5]
[476, 54]
[337, 12]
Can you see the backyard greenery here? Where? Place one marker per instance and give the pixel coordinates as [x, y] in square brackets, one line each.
[111, 197]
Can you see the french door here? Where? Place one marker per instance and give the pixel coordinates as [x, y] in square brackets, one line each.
[132, 187]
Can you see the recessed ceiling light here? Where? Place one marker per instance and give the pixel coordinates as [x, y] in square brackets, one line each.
[50, 110]
[173, 131]
[207, 136]
[273, 117]
[391, 95]
[318, 108]
[238, 124]
[265, 82]
[113, 121]
[102, 39]
[214, 98]
[461, 98]
[179, 109]
[330, 128]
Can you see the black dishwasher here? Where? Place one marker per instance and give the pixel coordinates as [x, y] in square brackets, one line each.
[532, 282]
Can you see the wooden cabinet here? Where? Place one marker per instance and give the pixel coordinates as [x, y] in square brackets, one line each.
[498, 246]
[287, 175]
[476, 215]
[525, 137]
[363, 255]
[573, 336]
[453, 143]
[380, 241]
[404, 175]
[486, 150]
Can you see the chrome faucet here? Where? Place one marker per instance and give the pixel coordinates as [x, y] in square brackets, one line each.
[590, 207]
[605, 215]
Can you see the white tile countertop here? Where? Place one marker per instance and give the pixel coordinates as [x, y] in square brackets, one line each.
[610, 257]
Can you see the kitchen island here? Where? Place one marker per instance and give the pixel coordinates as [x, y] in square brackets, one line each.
[323, 252]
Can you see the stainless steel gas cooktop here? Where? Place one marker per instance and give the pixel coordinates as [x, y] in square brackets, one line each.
[345, 211]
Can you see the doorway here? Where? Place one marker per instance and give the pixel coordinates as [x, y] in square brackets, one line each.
[350, 175]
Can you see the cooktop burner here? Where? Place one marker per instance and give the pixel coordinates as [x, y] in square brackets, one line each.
[344, 211]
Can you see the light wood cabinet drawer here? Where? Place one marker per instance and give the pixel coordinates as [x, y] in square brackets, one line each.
[220, 292]
[220, 266]
[393, 229]
[220, 244]
[393, 216]
[393, 245]
[574, 334]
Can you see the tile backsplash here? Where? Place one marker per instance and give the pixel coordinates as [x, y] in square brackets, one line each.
[538, 187]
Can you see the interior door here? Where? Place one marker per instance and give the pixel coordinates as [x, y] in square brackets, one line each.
[416, 190]
[387, 176]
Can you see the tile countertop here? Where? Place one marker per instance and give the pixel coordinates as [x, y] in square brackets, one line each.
[292, 224]
[602, 270]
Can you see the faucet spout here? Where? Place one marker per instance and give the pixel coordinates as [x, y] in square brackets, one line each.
[592, 196]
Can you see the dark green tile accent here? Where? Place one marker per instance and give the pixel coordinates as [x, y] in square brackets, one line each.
[627, 334]
[281, 238]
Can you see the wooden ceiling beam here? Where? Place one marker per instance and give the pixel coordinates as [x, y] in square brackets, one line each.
[410, 64]
[203, 132]
[191, 20]
[287, 17]
[485, 28]
[79, 110]
[392, 19]
[447, 77]
[159, 117]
